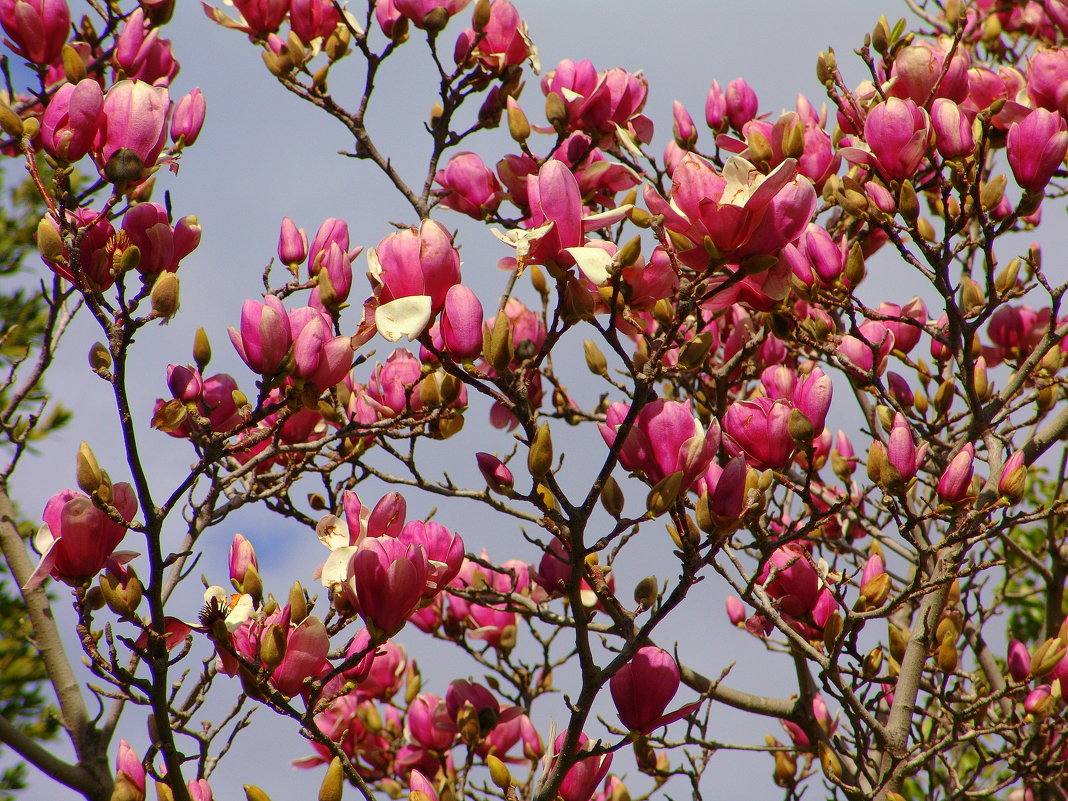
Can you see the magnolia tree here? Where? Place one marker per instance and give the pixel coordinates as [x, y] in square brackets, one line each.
[902, 562]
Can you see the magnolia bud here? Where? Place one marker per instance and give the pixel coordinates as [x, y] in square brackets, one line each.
[99, 356]
[873, 661]
[1046, 656]
[201, 349]
[1006, 278]
[907, 202]
[499, 773]
[518, 125]
[333, 782]
[829, 761]
[540, 456]
[87, 470]
[992, 191]
[50, 242]
[646, 592]
[832, 629]
[164, 295]
[556, 112]
[664, 493]
[612, 497]
[253, 793]
[10, 122]
[595, 360]
[298, 604]
[497, 343]
[273, 646]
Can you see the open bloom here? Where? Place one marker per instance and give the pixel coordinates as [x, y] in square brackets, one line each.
[37, 28]
[897, 133]
[77, 538]
[665, 438]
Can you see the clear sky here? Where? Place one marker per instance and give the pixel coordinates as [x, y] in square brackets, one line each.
[264, 155]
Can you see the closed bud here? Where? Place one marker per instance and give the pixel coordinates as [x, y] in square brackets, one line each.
[972, 298]
[73, 64]
[663, 312]
[254, 793]
[853, 202]
[877, 463]
[629, 253]
[926, 230]
[1046, 656]
[201, 349]
[826, 64]
[518, 125]
[537, 280]
[640, 217]
[664, 493]
[499, 773]
[273, 646]
[919, 401]
[595, 360]
[785, 764]
[898, 640]
[829, 761]
[799, 427]
[694, 353]
[333, 782]
[646, 592]
[907, 202]
[95, 599]
[943, 398]
[298, 604]
[164, 295]
[947, 656]
[1006, 278]
[540, 455]
[854, 270]
[992, 191]
[880, 36]
[87, 470]
[832, 629]
[129, 259]
[875, 591]
[11, 122]
[50, 242]
[873, 662]
[759, 147]
[1013, 481]
[556, 111]
[99, 356]
[497, 343]
[612, 497]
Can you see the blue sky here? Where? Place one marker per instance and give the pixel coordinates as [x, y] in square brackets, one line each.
[264, 155]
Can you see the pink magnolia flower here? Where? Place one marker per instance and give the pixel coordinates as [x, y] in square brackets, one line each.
[312, 19]
[188, 118]
[582, 779]
[77, 538]
[292, 243]
[757, 429]
[319, 357]
[897, 133]
[952, 129]
[665, 439]
[790, 578]
[1047, 76]
[741, 101]
[242, 559]
[135, 118]
[258, 17]
[389, 578]
[393, 385]
[94, 260]
[147, 225]
[1036, 148]
[71, 120]
[200, 790]
[920, 72]
[1019, 661]
[812, 397]
[497, 475]
[417, 10]
[38, 29]
[412, 271]
[504, 40]
[129, 772]
[429, 723]
[468, 185]
[901, 452]
[742, 211]
[264, 338]
[735, 610]
[906, 335]
[597, 102]
[716, 108]
[956, 479]
[513, 728]
[307, 645]
[142, 54]
[461, 323]
[444, 550]
[643, 688]
[213, 398]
